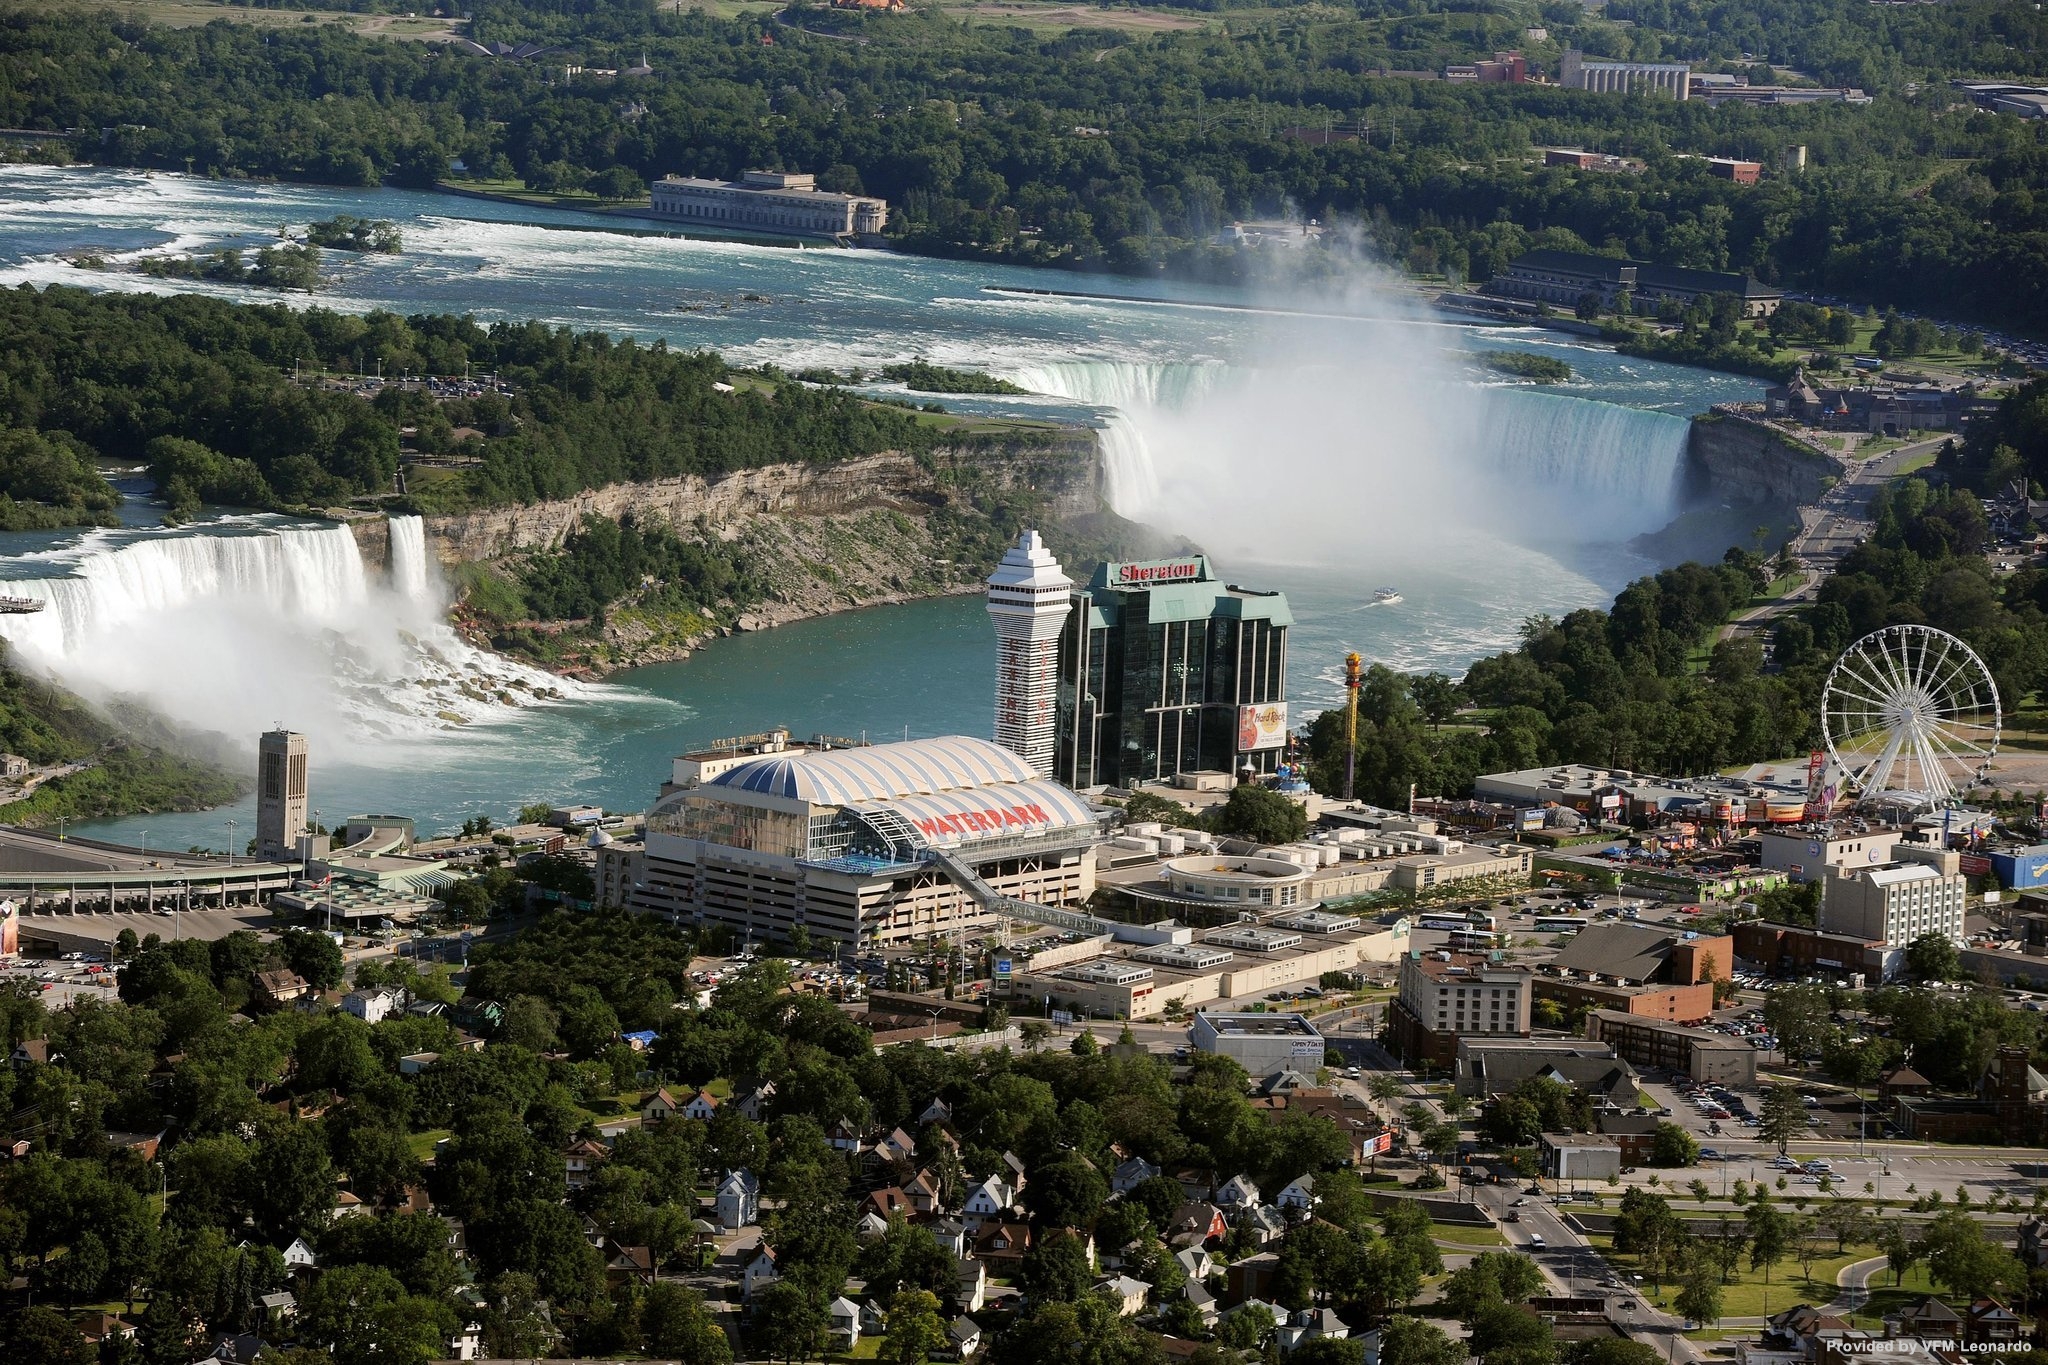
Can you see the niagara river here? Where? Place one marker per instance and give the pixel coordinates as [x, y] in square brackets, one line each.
[1319, 455]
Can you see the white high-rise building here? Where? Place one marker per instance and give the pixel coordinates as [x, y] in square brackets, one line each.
[1029, 597]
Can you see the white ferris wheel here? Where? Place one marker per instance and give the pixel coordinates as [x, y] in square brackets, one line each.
[1910, 715]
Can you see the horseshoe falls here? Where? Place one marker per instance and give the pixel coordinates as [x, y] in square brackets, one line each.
[1316, 454]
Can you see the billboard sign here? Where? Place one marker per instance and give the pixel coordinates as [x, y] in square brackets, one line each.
[1002, 966]
[1063, 1016]
[1974, 864]
[1152, 572]
[1261, 727]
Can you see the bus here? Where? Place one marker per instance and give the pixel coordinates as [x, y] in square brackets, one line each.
[1453, 922]
[1477, 940]
[1560, 924]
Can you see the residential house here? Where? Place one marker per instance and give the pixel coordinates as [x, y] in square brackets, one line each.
[1012, 1171]
[950, 1233]
[31, 1050]
[1196, 1224]
[842, 1318]
[1286, 1082]
[938, 1111]
[701, 1107]
[991, 1199]
[1309, 1323]
[237, 1348]
[845, 1136]
[581, 1159]
[659, 1106]
[923, 1193]
[1634, 1132]
[973, 1284]
[1001, 1246]
[898, 1146]
[2033, 1246]
[279, 1308]
[1131, 1174]
[1930, 1319]
[1196, 1262]
[624, 1264]
[751, 1098]
[468, 1343]
[737, 1200]
[299, 1256]
[411, 1199]
[413, 1063]
[1265, 1223]
[759, 1273]
[348, 1205]
[963, 1337]
[1236, 1195]
[870, 1227]
[281, 987]
[144, 1145]
[1197, 1294]
[99, 1327]
[1299, 1196]
[1989, 1321]
[372, 1006]
[1130, 1295]
[886, 1201]
[1251, 1277]
[1274, 1314]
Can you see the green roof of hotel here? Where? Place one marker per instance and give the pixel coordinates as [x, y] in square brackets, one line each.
[1188, 599]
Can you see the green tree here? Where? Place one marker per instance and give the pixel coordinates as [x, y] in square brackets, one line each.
[1261, 815]
[1699, 1293]
[914, 1328]
[1933, 957]
[1412, 1341]
[1782, 1117]
[1673, 1146]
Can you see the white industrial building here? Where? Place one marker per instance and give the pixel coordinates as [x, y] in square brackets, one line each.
[1575, 72]
[1260, 1043]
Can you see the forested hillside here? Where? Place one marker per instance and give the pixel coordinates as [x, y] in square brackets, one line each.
[1100, 150]
[204, 390]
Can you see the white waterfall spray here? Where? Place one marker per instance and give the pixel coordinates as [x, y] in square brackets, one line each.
[1390, 443]
[235, 625]
[410, 578]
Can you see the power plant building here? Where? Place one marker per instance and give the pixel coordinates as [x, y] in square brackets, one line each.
[1164, 669]
[281, 773]
[1575, 72]
[870, 844]
[767, 201]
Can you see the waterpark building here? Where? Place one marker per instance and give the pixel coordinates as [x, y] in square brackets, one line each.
[871, 844]
[767, 201]
[1163, 670]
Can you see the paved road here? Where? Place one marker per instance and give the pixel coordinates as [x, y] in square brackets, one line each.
[1835, 525]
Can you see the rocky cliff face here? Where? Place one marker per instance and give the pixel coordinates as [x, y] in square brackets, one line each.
[1063, 474]
[818, 538]
[1741, 460]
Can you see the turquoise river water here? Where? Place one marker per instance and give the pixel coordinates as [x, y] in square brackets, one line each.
[1320, 455]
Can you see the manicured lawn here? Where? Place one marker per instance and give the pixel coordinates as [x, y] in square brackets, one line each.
[1748, 1295]
[1477, 1238]
[422, 1144]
